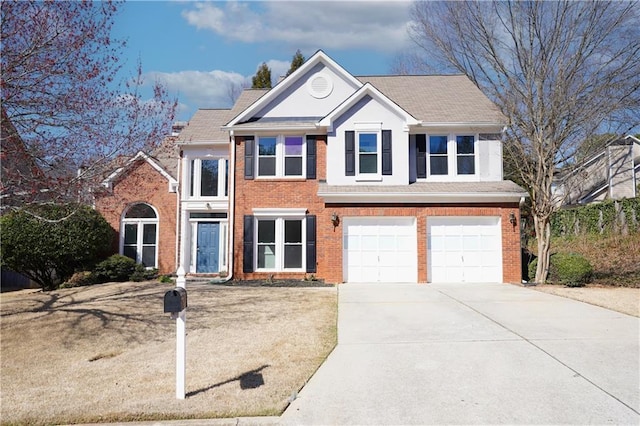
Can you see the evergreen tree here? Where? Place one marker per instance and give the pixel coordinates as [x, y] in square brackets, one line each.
[296, 62]
[262, 79]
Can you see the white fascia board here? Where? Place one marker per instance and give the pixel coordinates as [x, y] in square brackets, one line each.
[366, 89]
[403, 197]
[274, 129]
[199, 143]
[141, 155]
[428, 124]
[317, 57]
[636, 140]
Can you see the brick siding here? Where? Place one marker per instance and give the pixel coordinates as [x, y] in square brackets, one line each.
[143, 184]
[281, 193]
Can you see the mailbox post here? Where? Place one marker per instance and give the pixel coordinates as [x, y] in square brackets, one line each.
[175, 303]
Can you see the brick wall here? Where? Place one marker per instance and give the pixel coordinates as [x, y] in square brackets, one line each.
[303, 193]
[143, 184]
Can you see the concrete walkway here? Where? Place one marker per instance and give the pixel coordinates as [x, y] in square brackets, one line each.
[473, 354]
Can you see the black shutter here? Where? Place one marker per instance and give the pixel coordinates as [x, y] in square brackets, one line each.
[311, 243]
[311, 157]
[386, 153]
[421, 156]
[349, 153]
[249, 157]
[247, 244]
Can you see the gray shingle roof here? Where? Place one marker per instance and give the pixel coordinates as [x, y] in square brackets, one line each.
[438, 98]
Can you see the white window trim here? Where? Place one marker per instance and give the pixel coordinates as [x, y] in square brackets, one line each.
[195, 170]
[365, 128]
[452, 159]
[279, 215]
[140, 222]
[280, 156]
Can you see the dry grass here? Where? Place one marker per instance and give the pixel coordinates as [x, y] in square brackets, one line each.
[615, 258]
[625, 300]
[107, 352]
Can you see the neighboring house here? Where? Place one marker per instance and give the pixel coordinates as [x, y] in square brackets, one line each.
[612, 174]
[334, 177]
[140, 203]
[389, 178]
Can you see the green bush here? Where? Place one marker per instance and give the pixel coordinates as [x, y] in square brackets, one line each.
[570, 269]
[115, 268]
[143, 274]
[49, 242]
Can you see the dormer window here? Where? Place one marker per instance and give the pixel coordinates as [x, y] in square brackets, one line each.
[368, 153]
[438, 158]
[465, 152]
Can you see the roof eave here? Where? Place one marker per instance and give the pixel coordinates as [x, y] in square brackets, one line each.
[354, 197]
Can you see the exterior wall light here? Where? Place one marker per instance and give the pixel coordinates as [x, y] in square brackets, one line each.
[335, 219]
[512, 218]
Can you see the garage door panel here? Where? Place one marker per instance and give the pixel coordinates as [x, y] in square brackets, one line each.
[464, 249]
[380, 250]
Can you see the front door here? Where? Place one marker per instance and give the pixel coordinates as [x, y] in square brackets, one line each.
[207, 250]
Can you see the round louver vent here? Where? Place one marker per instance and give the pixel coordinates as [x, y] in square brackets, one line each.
[319, 86]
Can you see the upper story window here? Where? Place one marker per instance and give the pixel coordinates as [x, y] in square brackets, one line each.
[465, 155]
[368, 153]
[209, 177]
[442, 156]
[281, 156]
[438, 157]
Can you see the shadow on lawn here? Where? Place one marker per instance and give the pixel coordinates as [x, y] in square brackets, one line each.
[249, 380]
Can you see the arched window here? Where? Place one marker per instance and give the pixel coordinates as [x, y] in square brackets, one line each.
[139, 234]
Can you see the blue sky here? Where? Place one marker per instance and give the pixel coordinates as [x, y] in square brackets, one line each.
[199, 49]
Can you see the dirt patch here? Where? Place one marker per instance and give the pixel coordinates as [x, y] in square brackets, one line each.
[107, 352]
[619, 299]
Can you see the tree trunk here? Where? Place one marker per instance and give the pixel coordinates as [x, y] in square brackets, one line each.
[543, 235]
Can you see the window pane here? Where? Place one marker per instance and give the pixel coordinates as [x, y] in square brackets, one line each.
[267, 166]
[209, 178]
[368, 163]
[266, 231]
[267, 146]
[226, 178]
[149, 256]
[267, 256]
[293, 231]
[131, 233]
[130, 251]
[368, 142]
[438, 165]
[293, 145]
[438, 144]
[192, 171]
[293, 256]
[149, 233]
[465, 144]
[140, 211]
[466, 165]
[293, 166]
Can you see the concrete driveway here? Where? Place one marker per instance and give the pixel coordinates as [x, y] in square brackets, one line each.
[473, 354]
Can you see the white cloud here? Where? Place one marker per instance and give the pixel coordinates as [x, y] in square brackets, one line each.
[202, 89]
[308, 25]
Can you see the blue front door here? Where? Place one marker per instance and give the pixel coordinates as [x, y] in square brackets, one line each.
[207, 249]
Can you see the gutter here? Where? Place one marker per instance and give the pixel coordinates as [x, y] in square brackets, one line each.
[232, 204]
[350, 197]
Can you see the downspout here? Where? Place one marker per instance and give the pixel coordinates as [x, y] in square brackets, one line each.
[232, 206]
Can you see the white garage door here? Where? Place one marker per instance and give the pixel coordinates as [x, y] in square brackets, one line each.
[464, 249]
[379, 250]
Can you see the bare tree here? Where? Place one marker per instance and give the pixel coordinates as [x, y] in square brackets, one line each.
[65, 104]
[559, 71]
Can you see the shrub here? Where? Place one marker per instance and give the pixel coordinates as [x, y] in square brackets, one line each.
[115, 268]
[79, 279]
[49, 242]
[166, 279]
[570, 269]
[141, 273]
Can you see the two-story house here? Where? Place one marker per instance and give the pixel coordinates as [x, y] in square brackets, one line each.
[366, 179]
[344, 178]
[611, 174]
